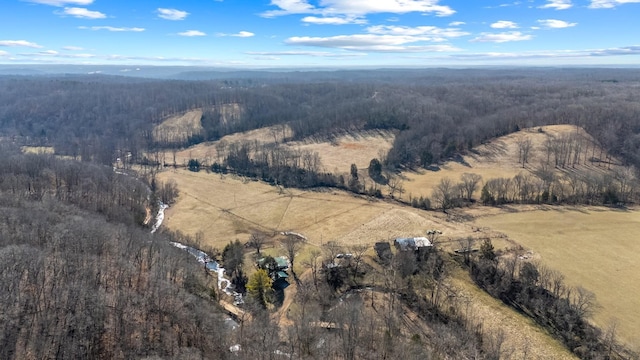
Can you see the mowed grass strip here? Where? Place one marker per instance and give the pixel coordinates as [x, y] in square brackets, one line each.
[523, 338]
[596, 248]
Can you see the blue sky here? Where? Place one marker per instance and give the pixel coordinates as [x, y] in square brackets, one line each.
[320, 33]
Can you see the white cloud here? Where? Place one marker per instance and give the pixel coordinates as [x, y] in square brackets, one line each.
[557, 4]
[81, 13]
[4, 53]
[457, 23]
[242, 34]
[369, 42]
[72, 48]
[551, 54]
[21, 43]
[387, 6]
[387, 38]
[357, 8]
[502, 37]
[422, 33]
[62, 2]
[192, 33]
[112, 28]
[333, 20]
[555, 24]
[608, 4]
[503, 24]
[287, 7]
[504, 5]
[172, 14]
[306, 53]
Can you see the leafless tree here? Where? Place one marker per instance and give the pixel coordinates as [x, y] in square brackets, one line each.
[257, 241]
[395, 184]
[358, 252]
[292, 244]
[470, 183]
[466, 246]
[443, 194]
[524, 149]
[584, 301]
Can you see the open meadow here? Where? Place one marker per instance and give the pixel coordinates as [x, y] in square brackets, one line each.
[596, 248]
[227, 207]
[501, 158]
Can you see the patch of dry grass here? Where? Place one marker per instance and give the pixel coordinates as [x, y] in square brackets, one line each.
[179, 128]
[500, 158]
[338, 155]
[208, 152]
[38, 149]
[522, 335]
[596, 248]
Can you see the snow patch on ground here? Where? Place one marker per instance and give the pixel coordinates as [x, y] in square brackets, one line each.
[224, 284]
[159, 217]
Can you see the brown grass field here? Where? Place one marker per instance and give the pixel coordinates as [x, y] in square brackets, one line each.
[498, 158]
[231, 208]
[178, 128]
[338, 155]
[524, 339]
[38, 149]
[596, 248]
[208, 153]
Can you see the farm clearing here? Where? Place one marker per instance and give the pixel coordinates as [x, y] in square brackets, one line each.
[567, 239]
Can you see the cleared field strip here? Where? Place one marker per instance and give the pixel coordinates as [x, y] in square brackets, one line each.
[596, 248]
[523, 338]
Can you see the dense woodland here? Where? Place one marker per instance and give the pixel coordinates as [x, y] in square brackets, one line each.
[82, 277]
[436, 112]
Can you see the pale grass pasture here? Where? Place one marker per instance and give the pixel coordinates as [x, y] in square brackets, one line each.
[596, 248]
[227, 207]
[500, 158]
[179, 128]
[338, 155]
[207, 152]
[524, 339]
[335, 156]
[38, 149]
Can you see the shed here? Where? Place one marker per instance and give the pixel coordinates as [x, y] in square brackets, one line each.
[413, 243]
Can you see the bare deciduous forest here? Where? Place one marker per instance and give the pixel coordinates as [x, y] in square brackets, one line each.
[82, 277]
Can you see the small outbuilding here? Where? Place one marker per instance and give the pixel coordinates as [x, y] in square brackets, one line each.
[413, 243]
